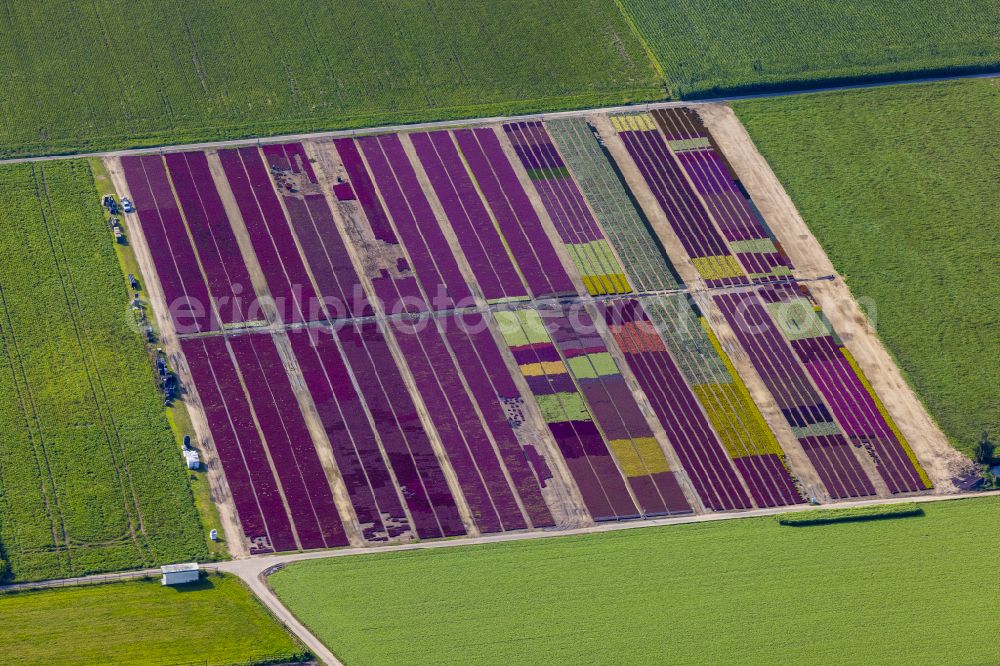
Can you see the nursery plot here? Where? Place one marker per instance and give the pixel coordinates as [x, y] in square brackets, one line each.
[502, 327]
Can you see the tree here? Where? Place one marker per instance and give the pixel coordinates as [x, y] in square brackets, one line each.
[984, 450]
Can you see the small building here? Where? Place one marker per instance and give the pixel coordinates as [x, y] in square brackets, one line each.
[192, 458]
[180, 574]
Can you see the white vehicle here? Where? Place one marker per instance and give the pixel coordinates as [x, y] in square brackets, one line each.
[127, 205]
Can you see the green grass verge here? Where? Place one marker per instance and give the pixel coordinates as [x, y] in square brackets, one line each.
[91, 478]
[180, 423]
[853, 515]
[719, 46]
[899, 185]
[746, 591]
[112, 74]
[211, 623]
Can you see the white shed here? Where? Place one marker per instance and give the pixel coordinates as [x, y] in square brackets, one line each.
[192, 458]
[179, 574]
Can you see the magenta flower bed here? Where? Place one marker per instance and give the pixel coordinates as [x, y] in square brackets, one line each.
[270, 235]
[674, 194]
[559, 192]
[614, 409]
[307, 491]
[480, 475]
[214, 240]
[354, 440]
[784, 377]
[418, 228]
[701, 454]
[166, 237]
[468, 216]
[517, 219]
[490, 382]
[403, 437]
[291, 156]
[321, 241]
[255, 492]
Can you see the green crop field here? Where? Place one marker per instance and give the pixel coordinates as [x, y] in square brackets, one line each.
[211, 623]
[902, 591]
[899, 185]
[111, 73]
[724, 46]
[91, 478]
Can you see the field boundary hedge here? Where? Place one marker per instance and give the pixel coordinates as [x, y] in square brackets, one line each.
[854, 515]
[820, 85]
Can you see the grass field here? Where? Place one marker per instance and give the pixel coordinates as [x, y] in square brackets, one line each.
[724, 46]
[211, 623]
[148, 72]
[745, 591]
[899, 185]
[91, 478]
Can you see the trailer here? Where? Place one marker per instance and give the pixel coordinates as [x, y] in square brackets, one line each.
[180, 574]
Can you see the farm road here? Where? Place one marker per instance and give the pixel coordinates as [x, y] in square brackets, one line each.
[81, 580]
[210, 145]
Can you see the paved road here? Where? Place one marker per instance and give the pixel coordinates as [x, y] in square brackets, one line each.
[495, 119]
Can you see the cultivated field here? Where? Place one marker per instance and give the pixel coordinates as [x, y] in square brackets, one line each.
[212, 623]
[504, 327]
[904, 202]
[896, 591]
[90, 477]
[151, 72]
[708, 48]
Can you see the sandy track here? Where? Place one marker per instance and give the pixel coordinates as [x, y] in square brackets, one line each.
[940, 460]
